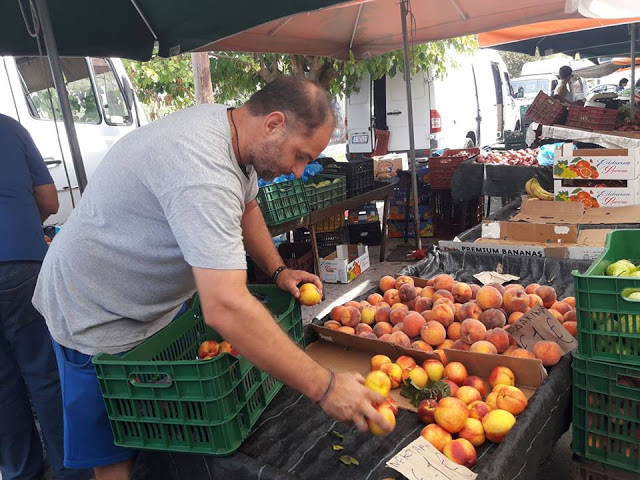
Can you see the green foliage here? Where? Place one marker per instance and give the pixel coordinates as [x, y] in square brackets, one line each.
[514, 61]
[434, 389]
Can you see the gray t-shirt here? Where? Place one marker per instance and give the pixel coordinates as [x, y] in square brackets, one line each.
[167, 197]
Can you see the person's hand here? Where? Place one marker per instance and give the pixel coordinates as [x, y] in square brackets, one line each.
[351, 402]
[288, 280]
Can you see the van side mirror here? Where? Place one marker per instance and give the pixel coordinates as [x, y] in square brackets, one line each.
[520, 93]
[128, 91]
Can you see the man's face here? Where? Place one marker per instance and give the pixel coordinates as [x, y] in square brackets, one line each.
[283, 150]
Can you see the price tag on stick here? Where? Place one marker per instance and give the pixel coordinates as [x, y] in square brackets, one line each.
[537, 325]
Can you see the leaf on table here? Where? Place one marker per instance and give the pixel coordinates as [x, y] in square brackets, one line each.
[337, 447]
[335, 433]
[349, 460]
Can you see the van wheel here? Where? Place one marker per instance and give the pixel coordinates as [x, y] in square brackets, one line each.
[469, 143]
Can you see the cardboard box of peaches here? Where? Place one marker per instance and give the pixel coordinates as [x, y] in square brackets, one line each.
[421, 334]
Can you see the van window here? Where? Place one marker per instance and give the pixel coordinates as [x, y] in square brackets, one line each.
[39, 90]
[110, 94]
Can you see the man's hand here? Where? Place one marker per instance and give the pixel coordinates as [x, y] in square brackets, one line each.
[288, 280]
[351, 402]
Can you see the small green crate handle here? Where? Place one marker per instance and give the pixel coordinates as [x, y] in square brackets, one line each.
[628, 291]
[135, 381]
[286, 187]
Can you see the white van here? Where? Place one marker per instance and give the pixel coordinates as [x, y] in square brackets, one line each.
[102, 101]
[471, 106]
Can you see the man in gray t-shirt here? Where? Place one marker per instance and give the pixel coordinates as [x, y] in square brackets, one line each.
[172, 209]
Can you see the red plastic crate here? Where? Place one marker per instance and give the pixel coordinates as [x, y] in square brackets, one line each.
[592, 118]
[547, 110]
[441, 170]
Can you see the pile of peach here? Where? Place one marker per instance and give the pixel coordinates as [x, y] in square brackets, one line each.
[211, 349]
[454, 315]
[475, 412]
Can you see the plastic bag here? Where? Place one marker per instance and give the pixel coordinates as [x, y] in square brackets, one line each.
[310, 170]
[546, 154]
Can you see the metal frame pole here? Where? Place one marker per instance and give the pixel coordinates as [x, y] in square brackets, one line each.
[61, 89]
[634, 39]
[412, 144]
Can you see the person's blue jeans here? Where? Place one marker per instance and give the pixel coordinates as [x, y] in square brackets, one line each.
[29, 382]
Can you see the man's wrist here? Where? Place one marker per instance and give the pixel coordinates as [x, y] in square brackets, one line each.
[277, 272]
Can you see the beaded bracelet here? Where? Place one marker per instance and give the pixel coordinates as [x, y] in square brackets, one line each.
[332, 381]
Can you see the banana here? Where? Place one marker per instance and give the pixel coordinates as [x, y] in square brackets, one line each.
[527, 186]
[538, 191]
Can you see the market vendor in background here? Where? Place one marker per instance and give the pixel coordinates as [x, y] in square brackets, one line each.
[564, 88]
[622, 84]
[171, 209]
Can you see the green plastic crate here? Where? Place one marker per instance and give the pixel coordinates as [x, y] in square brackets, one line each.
[606, 413]
[608, 323]
[283, 202]
[324, 197]
[160, 397]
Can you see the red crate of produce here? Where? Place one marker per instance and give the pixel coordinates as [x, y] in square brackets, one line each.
[592, 118]
[547, 110]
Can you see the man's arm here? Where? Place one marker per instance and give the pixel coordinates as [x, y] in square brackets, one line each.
[258, 243]
[232, 311]
[46, 197]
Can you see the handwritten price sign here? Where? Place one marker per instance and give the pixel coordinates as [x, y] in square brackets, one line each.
[421, 461]
[538, 324]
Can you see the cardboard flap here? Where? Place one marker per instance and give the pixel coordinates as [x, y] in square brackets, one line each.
[538, 211]
[596, 237]
[539, 233]
[594, 216]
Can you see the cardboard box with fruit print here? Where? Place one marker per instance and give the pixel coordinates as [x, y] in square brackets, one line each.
[596, 163]
[345, 264]
[598, 193]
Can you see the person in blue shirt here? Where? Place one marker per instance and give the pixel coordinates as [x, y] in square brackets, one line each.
[29, 382]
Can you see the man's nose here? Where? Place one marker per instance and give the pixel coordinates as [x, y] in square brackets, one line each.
[298, 170]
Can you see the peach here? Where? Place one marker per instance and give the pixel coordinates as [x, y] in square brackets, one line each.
[442, 294]
[535, 300]
[368, 315]
[547, 294]
[442, 314]
[397, 315]
[514, 317]
[562, 307]
[208, 349]
[510, 349]
[461, 292]
[431, 281]
[375, 299]
[422, 345]
[350, 317]
[469, 310]
[516, 300]
[453, 387]
[397, 327]
[407, 292]
[391, 403]
[388, 415]
[426, 315]
[522, 353]
[454, 331]
[399, 305]
[472, 331]
[442, 355]
[332, 324]
[451, 414]
[473, 432]
[382, 328]
[549, 352]
[434, 369]
[499, 387]
[468, 394]
[363, 327]
[483, 347]
[426, 410]
[347, 330]
[493, 318]
[353, 304]
[501, 376]
[556, 314]
[456, 372]
[489, 297]
[436, 436]
[497, 286]
[369, 335]
[378, 381]
[445, 301]
[513, 285]
[383, 304]
[418, 376]
[387, 283]
[412, 324]
[336, 312]
[570, 300]
[478, 409]
[474, 290]
[394, 372]
[572, 328]
[378, 360]
[411, 304]
[499, 338]
[433, 333]
[491, 400]
[461, 345]
[383, 314]
[405, 362]
[402, 279]
[418, 291]
[392, 297]
[497, 424]
[363, 303]
[512, 400]
[384, 337]
[531, 288]
[423, 303]
[570, 316]
[461, 451]
[448, 343]
[477, 383]
[443, 282]
[310, 295]
[427, 292]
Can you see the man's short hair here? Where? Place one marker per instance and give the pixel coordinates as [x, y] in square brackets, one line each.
[303, 101]
[565, 71]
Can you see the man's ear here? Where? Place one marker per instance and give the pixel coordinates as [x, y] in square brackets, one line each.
[275, 122]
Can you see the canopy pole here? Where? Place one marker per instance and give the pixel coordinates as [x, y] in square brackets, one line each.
[632, 98]
[61, 89]
[412, 144]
